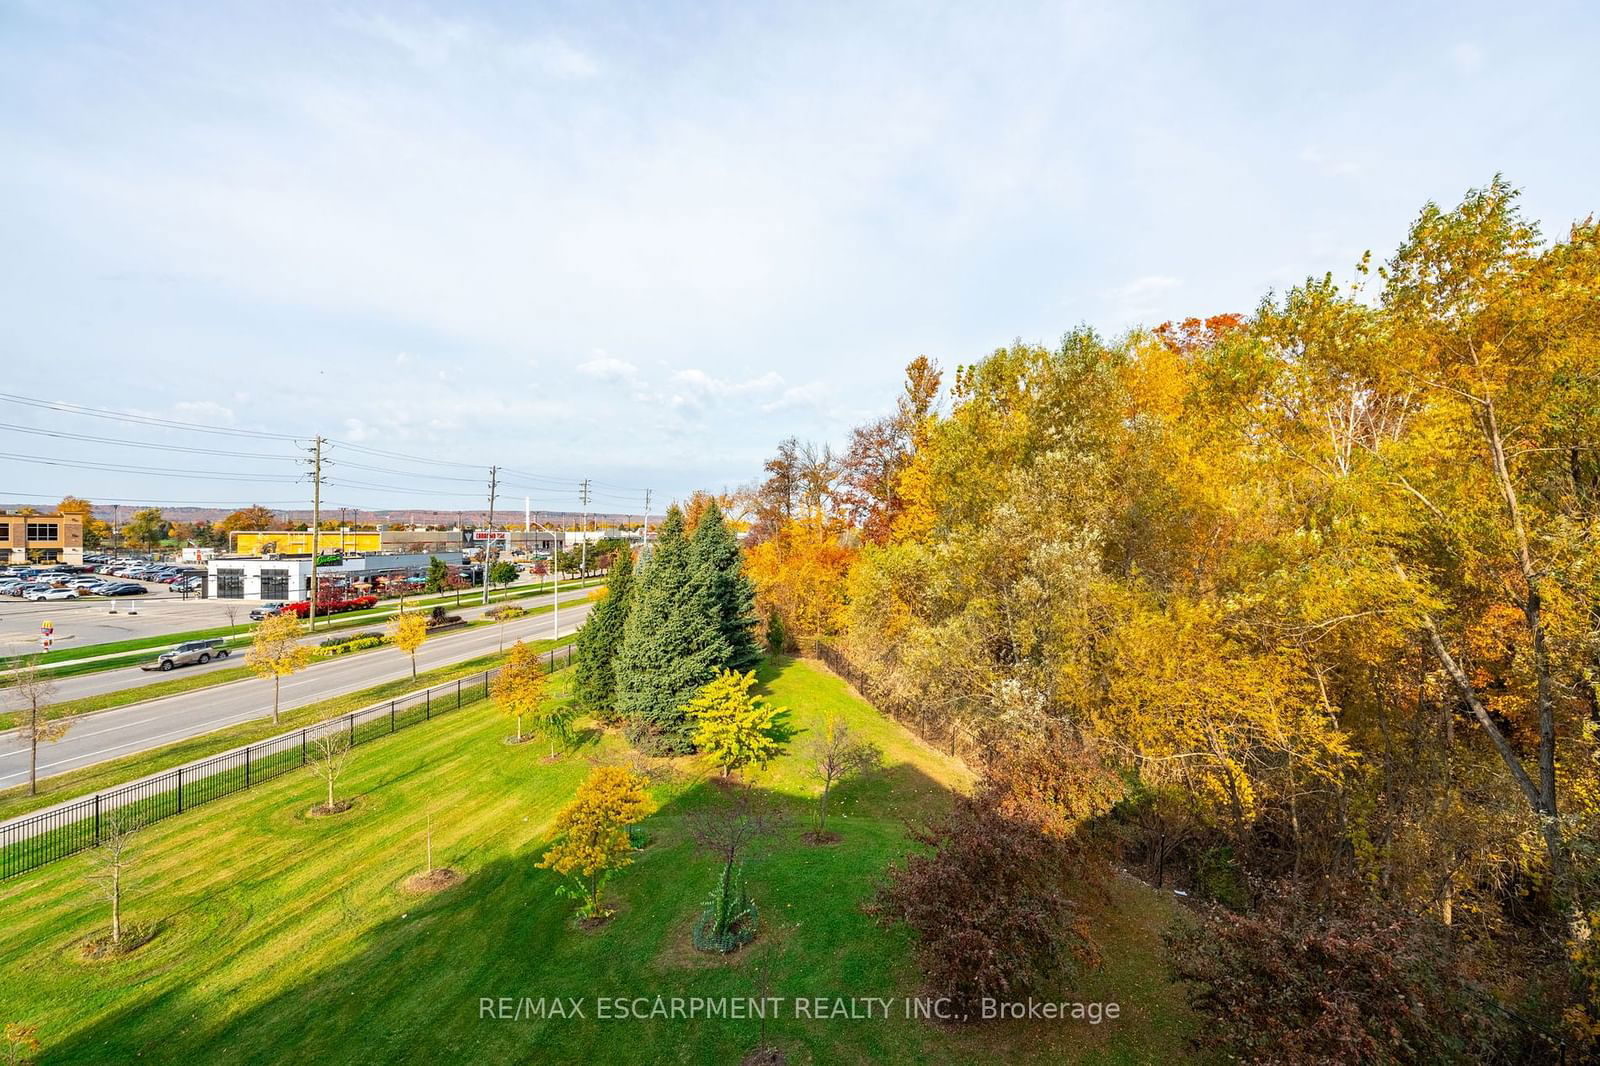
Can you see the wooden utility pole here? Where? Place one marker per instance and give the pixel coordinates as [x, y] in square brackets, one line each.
[488, 545]
[583, 567]
[644, 547]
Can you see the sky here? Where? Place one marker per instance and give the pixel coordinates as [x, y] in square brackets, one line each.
[642, 243]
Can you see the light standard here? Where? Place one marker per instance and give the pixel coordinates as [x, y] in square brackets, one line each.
[555, 568]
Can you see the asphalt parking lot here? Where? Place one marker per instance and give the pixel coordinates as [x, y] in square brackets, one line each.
[91, 621]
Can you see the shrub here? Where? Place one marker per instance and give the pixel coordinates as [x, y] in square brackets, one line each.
[1343, 981]
[729, 919]
[986, 905]
[349, 642]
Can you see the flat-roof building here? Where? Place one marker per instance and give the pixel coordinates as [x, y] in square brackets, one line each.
[41, 538]
[287, 579]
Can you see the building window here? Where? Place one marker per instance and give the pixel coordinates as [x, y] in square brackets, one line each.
[274, 584]
[44, 531]
[5, 531]
[230, 584]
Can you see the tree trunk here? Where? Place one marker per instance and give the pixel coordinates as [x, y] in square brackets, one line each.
[413, 666]
[116, 901]
[275, 680]
[1531, 609]
[33, 764]
[330, 793]
[1530, 791]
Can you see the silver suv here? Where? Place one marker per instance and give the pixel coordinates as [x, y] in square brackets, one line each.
[194, 651]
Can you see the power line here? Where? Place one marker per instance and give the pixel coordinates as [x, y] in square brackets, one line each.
[399, 455]
[137, 419]
[152, 471]
[63, 434]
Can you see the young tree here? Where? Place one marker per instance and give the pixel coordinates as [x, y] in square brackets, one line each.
[593, 831]
[276, 651]
[594, 682]
[109, 862]
[31, 691]
[735, 728]
[438, 575]
[503, 572]
[727, 830]
[506, 612]
[776, 637]
[670, 647]
[519, 687]
[408, 631]
[835, 754]
[329, 757]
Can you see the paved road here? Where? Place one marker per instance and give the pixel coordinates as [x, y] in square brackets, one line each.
[137, 727]
[93, 684]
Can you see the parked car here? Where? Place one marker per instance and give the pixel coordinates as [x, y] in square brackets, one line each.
[188, 653]
[29, 586]
[52, 594]
[266, 610]
[123, 588]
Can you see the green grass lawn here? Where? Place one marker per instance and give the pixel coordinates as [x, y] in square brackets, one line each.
[287, 939]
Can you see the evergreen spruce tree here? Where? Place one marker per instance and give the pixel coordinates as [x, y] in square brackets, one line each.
[600, 641]
[671, 646]
[722, 590]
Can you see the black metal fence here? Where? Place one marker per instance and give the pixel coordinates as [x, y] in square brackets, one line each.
[31, 841]
[942, 731]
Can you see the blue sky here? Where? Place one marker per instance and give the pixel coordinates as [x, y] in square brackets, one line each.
[642, 243]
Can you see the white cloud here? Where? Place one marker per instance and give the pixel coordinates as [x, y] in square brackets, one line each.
[608, 368]
[701, 383]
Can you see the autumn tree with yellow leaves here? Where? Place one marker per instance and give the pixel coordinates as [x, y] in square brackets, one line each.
[592, 835]
[1313, 592]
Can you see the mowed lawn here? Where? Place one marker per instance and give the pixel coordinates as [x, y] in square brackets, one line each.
[288, 939]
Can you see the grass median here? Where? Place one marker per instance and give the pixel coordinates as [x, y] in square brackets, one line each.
[155, 690]
[74, 783]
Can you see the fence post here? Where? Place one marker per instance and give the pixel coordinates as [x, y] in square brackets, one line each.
[391, 718]
[458, 693]
[353, 723]
[97, 818]
[246, 767]
[180, 790]
[302, 747]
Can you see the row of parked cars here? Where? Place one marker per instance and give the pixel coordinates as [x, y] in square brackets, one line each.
[181, 578]
[98, 577]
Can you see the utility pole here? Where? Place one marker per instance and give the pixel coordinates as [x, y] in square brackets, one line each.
[644, 548]
[583, 567]
[488, 545]
[316, 527]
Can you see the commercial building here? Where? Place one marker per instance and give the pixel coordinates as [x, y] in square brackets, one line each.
[41, 538]
[288, 578]
[344, 541]
[519, 542]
